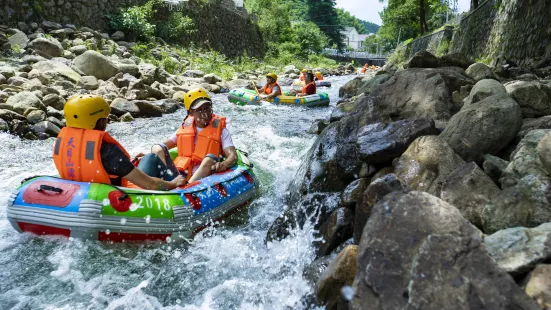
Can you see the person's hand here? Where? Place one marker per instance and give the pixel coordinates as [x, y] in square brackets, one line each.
[140, 154]
[179, 181]
[219, 167]
[263, 96]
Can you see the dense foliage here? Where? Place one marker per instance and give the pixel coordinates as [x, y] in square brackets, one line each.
[362, 26]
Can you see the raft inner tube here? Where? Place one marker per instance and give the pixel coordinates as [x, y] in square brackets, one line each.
[244, 96]
[48, 205]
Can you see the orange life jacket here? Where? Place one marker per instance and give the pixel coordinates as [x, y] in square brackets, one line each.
[301, 77]
[304, 88]
[364, 69]
[77, 155]
[209, 141]
[320, 77]
[268, 88]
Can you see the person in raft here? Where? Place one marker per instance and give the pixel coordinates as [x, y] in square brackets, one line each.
[85, 152]
[319, 76]
[309, 88]
[201, 140]
[271, 89]
[302, 74]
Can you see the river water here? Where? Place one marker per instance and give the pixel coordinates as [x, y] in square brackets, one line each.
[226, 267]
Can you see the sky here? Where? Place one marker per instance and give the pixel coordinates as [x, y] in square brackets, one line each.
[369, 9]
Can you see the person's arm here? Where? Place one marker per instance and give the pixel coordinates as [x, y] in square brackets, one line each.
[275, 92]
[141, 179]
[231, 160]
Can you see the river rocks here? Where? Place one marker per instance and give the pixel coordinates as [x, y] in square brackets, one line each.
[95, 64]
[544, 152]
[517, 250]
[529, 124]
[526, 204]
[484, 127]
[212, 78]
[479, 71]
[45, 129]
[46, 47]
[9, 116]
[117, 36]
[525, 160]
[149, 73]
[56, 68]
[426, 164]
[469, 189]
[335, 230]
[7, 71]
[423, 59]
[167, 105]
[22, 101]
[3, 80]
[352, 193]
[120, 106]
[194, 73]
[379, 188]
[340, 272]
[148, 109]
[538, 285]
[423, 273]
[494, 167]
[18, 40]
[36, 116]
[318, 126]
[415, 93]
[533, 97]
[78, 49]
[238, 83]
[365, 85]
[380, 143]
[54, 113]
[49, 26]
[484, 89]
[4, 126]
[55, 101]
[126, 117]
[88, 82]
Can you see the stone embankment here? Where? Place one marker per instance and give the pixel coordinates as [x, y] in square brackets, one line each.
[430, 188]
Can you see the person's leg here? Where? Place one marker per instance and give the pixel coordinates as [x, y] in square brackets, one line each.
[205, 169]
[164, 156]
[153, 166]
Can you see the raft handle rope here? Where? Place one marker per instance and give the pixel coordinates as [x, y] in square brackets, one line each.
[44, 187]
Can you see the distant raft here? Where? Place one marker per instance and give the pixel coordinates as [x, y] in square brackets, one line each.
[298, 84]
[242, 96]
[49, 205]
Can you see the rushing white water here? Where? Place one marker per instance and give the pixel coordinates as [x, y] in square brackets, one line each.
[226, 267]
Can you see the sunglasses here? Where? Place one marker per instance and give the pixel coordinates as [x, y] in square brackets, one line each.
[203, 109]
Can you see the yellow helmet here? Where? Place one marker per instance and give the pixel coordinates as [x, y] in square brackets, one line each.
[272, 75]
[317, 73]
[83, 111]
[304, 70]
[194, 94]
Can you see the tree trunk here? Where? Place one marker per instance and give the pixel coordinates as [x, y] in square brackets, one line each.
[422, 21]
[474, 4]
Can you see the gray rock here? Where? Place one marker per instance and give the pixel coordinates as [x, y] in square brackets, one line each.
[426, 164]
[23, 27]
[149, 73]
[2, 80]
[18, 40]
[36, 116]
[22, 101]
[4, 126]
[78, 49]
[17, 81]
[118, 36]
[46, 127]
[194, 73]
[148, 109]
[544, 151]
[494, 167]
[526, 204]
[337, 229]
[120, 106]
[47, 47]
[54, 101]
[126, 117]
[65, 85]
[58, 68]
[212, 78]
[533, 97]
[7, 71]
[380, 143]
[517, 250]
[438, 265]
[238, 83]
[352, 193]
[167, 105]
[363, 85]
[339, 272]
[88, 82]
[48, 25]
[95, 64]
[485, 127]
[479, 71]
[132, 69]
[529, 124]
[56, 121]
[484, 89]
[538, 285]
[378, 188]
[50, 111]
[9, 116]
[469, 189]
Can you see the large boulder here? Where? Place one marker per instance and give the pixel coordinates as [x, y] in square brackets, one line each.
[95, 64]
[336, 230]
[415, 93]
[380, 143]
[529, 124]
[194, 73]
[363, 85]
[538, 285]
[525, 160]
[485, 127]
[439, 264]
[20, 102]
[544, 152]
[45, 129]
[469, 189]
[47, 47]
[120, 106]
[88, 82]
[340, 272]
[526, 204]
[533, 97]
[57, 67]
[18, 39]
[148, 109]
[484, 89]
[423, 59]
[426, 164]
[517, 250]
[479, 71]
[55, 101]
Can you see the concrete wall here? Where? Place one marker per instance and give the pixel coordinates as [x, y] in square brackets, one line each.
[437, 43]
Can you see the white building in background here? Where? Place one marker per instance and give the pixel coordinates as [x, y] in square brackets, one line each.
[353, 39]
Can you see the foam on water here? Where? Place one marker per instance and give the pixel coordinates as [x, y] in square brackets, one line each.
[227, 267]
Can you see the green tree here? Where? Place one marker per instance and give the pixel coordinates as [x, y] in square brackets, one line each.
[347, 20]
[324, 14]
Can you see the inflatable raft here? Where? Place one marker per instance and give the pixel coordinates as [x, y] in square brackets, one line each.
[298, 84]
[244, 96]
[48, 205]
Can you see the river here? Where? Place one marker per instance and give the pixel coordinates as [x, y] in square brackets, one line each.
[226, 267]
